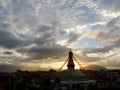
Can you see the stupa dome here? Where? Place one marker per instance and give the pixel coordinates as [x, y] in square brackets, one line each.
[72, 75]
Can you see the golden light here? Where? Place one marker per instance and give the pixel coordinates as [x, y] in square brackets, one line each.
[77, 66]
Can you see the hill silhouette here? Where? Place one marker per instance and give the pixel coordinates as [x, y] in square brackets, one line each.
[94, 67]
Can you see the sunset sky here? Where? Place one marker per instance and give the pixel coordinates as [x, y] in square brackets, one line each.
[37, 34]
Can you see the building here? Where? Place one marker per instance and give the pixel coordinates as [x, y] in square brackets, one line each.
[72, 79]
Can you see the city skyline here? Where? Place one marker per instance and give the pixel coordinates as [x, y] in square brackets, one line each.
[37, 34]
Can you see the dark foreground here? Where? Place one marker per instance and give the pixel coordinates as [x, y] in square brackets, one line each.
[47, 80]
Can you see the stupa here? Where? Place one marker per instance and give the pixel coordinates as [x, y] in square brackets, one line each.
[72, 78]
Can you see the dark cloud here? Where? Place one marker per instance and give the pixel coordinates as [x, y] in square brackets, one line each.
[73, 37]
[45, 35]
[113, 26]
[98, 50]
[8, 53]
[44, 52]
[44, 28]
[115, 44]
[9, 68]
[101, 35]
[88, 59]
[8, 39]
[110, 5]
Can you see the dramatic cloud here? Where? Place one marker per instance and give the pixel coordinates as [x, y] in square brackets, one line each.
[42, 31]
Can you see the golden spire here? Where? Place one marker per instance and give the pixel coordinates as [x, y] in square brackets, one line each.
[70, 64]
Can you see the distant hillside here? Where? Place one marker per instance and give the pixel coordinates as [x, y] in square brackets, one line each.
[94, 67]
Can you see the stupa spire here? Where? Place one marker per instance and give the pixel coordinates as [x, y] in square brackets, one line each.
[70, 64]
